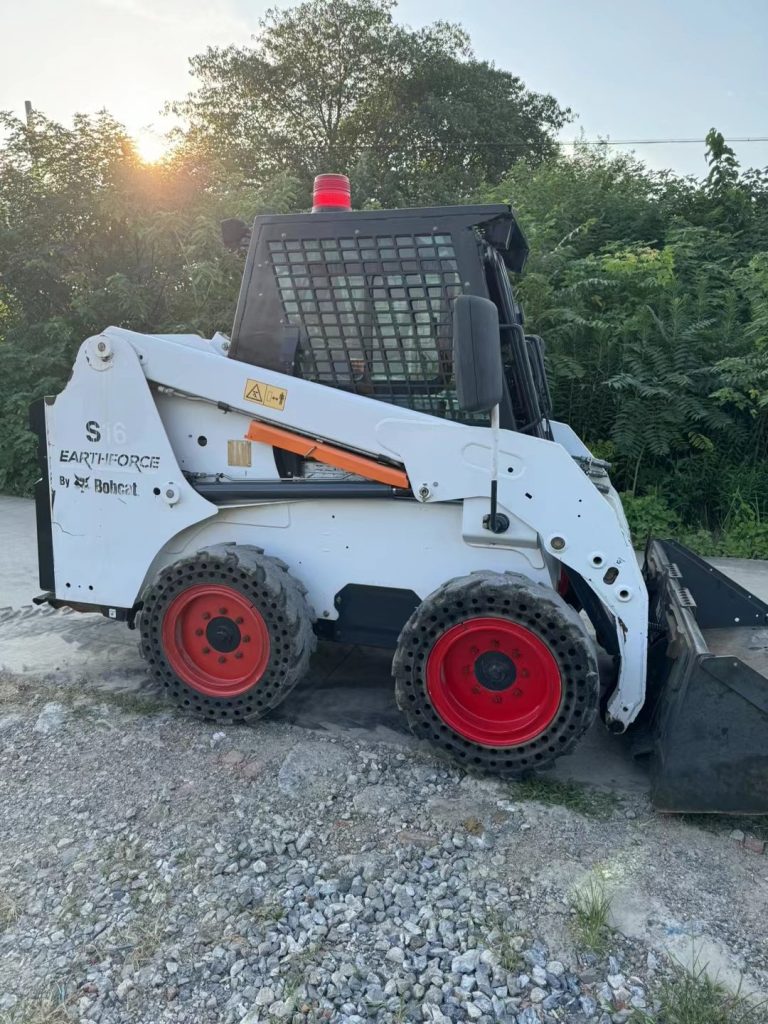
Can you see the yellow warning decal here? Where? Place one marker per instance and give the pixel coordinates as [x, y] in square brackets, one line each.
[265, 394]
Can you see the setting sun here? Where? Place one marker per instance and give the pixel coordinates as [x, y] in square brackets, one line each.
[151, 146]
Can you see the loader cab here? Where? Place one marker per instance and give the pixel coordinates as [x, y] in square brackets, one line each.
[364, 300]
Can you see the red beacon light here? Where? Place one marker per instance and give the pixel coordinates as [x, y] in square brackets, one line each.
[331, 193]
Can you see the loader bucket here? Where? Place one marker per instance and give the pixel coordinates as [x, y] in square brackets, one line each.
[707, 687]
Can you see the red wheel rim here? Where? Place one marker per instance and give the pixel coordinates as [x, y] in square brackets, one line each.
[215, 640]
[494, 682]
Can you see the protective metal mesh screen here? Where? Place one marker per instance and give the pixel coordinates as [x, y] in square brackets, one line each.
[376, 312]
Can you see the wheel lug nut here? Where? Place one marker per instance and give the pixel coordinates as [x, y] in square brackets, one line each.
[222, 611]
[246, 639]
[238, 654]
[206, 615]
[475, 689]
[239, 620]
[198, 632]
[206, 650]
[222, 659]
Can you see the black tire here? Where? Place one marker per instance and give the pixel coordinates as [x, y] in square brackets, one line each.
[536, 610]
[270, 599]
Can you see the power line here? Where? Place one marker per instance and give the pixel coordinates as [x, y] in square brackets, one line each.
[512, 144]
[654, 142]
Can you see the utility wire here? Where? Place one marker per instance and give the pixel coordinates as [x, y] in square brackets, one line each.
[512, 144]
[654, 142]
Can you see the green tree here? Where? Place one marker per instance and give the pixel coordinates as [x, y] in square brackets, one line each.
[337, 85]
[90, 236]
[651, 294]
[650, 290]
[730, 200]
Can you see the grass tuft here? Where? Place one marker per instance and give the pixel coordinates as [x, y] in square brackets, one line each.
[690, 996]
[43, 1009]
[145, 937]
[591, 907]
[505, 941]
[86, 702]
[268, 913]
[134, 703]
[295, 967]
[723, 824]
[592, 803]
[124, 856]
[9, 910]
[509, 952]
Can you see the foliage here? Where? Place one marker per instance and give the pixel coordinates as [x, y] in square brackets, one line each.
[655, 313]
[337, 83]
[650, 515]
[650, 290]
[90, 236]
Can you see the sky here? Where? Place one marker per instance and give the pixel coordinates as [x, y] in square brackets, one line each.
[658, 69]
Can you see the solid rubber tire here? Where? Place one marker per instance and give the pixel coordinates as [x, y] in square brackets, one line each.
[279, 598]
[540, 610]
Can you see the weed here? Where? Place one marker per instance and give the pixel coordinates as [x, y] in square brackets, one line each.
[135, 703]
[400, 1015]
[9, 910]
[509, 951]
[16, 691]
[722, 824]
[473, 826]
[81, 710]
[145, 936]
[43, 1009]
[298, 964]
[291, 994]
[592, 803]
[591, 907]
[690, 996]
[69, 907]
[186, 857]
[122, 854]
[506, 943]
[142, 936]
[85, 701]
[269, 913]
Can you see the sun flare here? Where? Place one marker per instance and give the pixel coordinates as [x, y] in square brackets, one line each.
[151, 146]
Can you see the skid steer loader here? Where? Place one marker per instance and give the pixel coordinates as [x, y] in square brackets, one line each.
[371, 458]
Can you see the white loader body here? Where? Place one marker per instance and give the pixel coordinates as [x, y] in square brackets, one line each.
[146, 418]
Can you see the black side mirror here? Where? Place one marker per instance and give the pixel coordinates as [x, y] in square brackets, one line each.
[477, 353]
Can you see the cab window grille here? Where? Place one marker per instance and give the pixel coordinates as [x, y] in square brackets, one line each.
[376, 314]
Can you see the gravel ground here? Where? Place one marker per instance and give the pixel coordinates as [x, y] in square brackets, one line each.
[157, 869]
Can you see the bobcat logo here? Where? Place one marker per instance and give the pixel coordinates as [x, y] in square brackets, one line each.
[81, 482]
